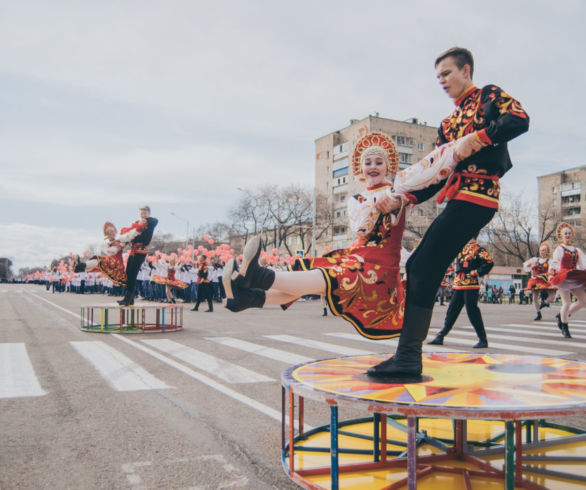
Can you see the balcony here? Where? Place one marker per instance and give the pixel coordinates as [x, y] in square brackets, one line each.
[571, 192]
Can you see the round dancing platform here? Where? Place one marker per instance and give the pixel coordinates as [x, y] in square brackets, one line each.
[475, 421]
[139, 318]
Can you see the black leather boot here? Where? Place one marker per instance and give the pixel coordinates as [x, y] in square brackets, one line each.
[559, 320]
[251, 274]
[538, 317]
[406, 362]
[565, 330]
[246, 298]
[439, 340]
[128, 300]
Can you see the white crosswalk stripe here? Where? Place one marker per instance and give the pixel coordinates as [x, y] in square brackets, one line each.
[453, 339]
[218, 367]
[119, 371]
[315, 344]
[261, 350]
[389, 342]
[573, 324]
[521, 328]
[17, 375]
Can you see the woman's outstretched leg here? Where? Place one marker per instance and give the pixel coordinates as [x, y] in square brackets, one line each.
[274, 297]
[578, 305]
[566, 302]
[299, 283]
[284, 287]
[536, 304]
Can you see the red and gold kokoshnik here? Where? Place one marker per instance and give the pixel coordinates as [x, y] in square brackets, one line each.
[382, 141]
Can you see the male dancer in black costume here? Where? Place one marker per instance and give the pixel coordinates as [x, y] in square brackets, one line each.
[472, 263]
[484, 120]
[138, 252]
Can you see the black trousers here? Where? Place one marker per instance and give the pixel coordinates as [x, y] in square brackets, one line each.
[469, 297]
[204, 293]
[443, 240]
[132, 267]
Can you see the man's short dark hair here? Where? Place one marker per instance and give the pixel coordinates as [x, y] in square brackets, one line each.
[461, 56]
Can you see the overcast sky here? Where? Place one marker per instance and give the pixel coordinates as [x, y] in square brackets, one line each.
[109, 105]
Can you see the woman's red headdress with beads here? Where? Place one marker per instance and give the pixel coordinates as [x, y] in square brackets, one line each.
[560, 228]
[379, 141]
[107, 225]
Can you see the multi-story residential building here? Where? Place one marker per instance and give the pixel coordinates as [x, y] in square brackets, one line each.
[562, 195]
[334, 179]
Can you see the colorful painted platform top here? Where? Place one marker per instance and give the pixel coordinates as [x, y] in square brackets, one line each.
[458, 382]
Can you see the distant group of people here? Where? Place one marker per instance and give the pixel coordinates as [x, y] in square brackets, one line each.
[190, 275]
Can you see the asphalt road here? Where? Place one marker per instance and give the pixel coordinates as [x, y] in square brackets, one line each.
[193, 409]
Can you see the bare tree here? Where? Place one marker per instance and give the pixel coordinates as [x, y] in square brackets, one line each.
[218, 230]
[517, 230]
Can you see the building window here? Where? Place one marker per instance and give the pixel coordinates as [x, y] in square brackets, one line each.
[341, 148]
[571, 199]
[400, 140]
[339, 230]
[420, 146]
[573, 211]
[340, 172]
[405, 157]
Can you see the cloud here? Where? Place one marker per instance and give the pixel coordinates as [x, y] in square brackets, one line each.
[113, 104]
[29, 246]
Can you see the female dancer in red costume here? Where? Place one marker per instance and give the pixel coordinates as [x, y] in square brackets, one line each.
[361, 283]
[568, 269]
[539, 269]
[109, 259]
[169, 280]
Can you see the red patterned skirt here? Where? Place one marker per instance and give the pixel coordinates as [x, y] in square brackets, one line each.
[538, 284]
[569, 279]
[364, 287]
[174, 283]
[113, 268]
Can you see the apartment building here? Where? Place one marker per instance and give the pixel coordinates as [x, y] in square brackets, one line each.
[563, 196]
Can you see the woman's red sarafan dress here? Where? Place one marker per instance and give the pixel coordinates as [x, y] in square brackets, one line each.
[170, 280]
[539, 276]
[363, 284]
[112, 266]
[568, 269]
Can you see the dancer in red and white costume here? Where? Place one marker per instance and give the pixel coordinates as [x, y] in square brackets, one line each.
[360, 283]
[568, 269]
[539, 269]
[109, 258]
[170, 281]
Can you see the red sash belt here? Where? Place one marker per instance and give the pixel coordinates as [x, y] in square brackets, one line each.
[137, 248]
[468, 186]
